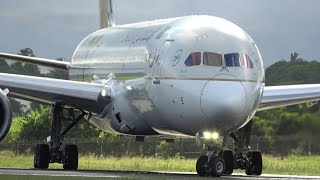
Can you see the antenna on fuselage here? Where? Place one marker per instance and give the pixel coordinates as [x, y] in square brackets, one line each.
[106, 14]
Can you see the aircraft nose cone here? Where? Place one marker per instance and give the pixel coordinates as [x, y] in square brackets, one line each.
[223, 101]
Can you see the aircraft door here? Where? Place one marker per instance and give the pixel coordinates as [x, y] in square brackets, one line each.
[161, 56]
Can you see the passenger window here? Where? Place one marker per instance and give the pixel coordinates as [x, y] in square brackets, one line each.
[194, 59]
[212, 59]
[232, 60]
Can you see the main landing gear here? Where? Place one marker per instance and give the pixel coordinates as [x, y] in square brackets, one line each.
[215, 163]
[52, 151]
[223, 161]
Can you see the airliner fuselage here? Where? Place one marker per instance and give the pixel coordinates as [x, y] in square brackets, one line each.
[179, 76]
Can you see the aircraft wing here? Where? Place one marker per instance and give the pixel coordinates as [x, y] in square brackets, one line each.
[279, 96]
[38, 61]
[86, 96]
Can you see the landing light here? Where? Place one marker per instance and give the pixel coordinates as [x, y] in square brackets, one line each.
[129, 88]
[215, 135]
[103, 92]
[211, 135]
[207, 135]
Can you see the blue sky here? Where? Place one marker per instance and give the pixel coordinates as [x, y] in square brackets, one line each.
[53, 29]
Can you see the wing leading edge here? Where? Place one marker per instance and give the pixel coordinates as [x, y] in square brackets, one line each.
[87, 96]
[38, 61]
[279, 96]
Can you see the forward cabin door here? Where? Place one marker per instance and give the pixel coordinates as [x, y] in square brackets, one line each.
[161, 58]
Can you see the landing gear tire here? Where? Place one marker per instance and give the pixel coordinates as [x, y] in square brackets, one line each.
[201, 165]
[70, 161]
[217, 165]
[227, 155]
[41, 156]
[255, 161]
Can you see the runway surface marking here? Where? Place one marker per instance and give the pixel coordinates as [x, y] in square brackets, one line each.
[136, 174]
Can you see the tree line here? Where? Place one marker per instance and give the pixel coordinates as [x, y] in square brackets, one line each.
[292, 119]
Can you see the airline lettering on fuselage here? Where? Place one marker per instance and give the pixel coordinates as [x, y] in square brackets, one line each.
[176, 57]
[138, 36]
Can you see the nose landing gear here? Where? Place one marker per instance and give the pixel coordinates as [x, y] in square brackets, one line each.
[222, 162]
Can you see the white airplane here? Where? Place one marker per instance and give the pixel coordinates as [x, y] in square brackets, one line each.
[196, 76]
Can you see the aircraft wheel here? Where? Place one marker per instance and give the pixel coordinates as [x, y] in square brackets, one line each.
[217, 166]
[255, 167]
[227, 155]
[70, 161]
[41, 156]
[201, 165]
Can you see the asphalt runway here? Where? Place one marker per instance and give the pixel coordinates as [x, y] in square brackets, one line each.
[135, 175]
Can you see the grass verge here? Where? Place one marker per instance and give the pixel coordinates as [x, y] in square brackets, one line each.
[291, 165]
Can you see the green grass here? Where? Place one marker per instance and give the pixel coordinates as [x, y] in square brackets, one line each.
[8, 159]
[137, 164]
[24, 177]
[291, 165]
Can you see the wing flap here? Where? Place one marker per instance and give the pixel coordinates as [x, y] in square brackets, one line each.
[279, 96]
[87, 96]
[38, 61]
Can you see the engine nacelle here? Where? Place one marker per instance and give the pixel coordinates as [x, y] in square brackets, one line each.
[5, 114]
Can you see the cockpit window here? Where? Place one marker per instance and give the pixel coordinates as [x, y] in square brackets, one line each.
[193, 59]
[232, 60]
[212, 59]
[246, 61]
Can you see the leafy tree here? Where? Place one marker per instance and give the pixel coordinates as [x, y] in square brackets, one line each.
[26, 52]
[36, 125]
[294, 57]
[295, 71]
[291, 119]
[288, 123]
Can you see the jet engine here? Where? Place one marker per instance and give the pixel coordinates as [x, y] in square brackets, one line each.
[5, 114]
